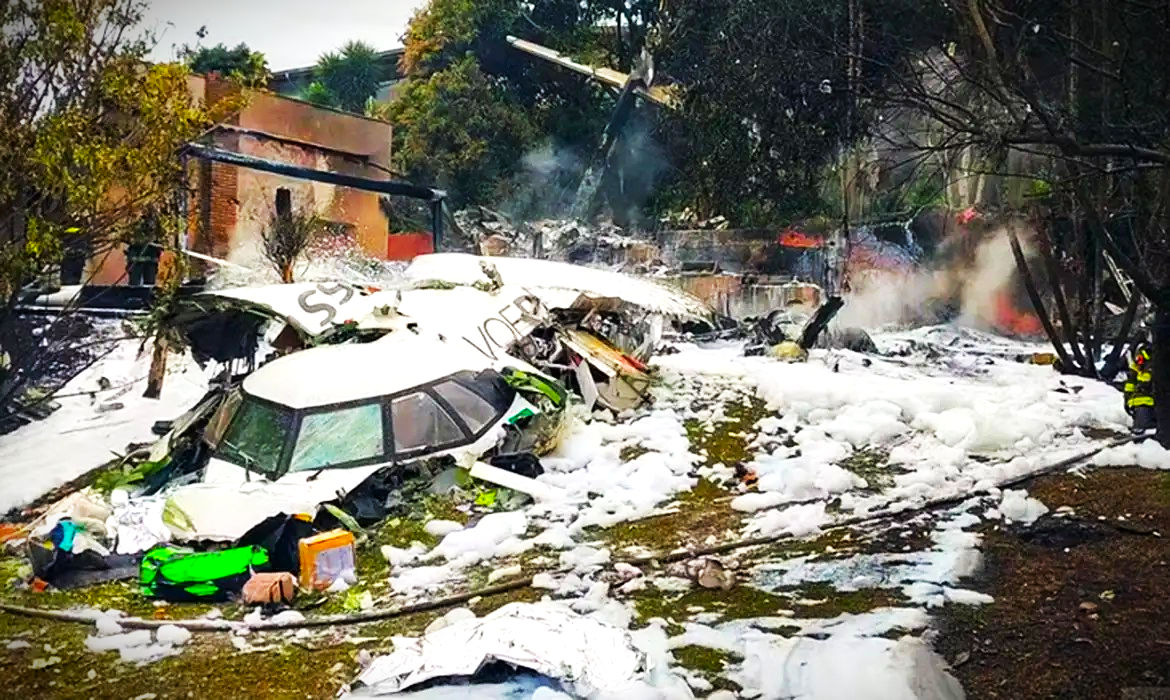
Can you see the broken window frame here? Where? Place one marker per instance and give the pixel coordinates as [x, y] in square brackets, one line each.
[471, 380]
[281, 464]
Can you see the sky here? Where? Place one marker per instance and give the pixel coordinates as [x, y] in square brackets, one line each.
[290, 33]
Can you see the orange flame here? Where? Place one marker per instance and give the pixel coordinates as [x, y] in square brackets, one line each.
[1010, 319]
[791, 238]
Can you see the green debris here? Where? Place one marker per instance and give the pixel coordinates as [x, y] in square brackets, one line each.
[347, 521]
[174, 517]
[527, 383]
[521, 415]
[125, 473]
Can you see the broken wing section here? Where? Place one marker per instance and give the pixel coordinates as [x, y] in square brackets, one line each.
[543, 277]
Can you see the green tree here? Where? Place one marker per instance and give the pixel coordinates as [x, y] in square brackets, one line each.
[92, 134]
[561, 112]
[459, 129]
[773, 96]
[320, 95]
[346, 79]
[241, 63]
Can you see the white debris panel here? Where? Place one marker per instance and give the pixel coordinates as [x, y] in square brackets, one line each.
[585, 655]
[538, 275]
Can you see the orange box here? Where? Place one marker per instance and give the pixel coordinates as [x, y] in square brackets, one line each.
[325, 557]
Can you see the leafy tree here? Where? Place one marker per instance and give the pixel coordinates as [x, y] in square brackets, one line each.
[346, 79]
[286, 237]
[241, 63]
[1073, 93]
[320, 95]
[564, 114]
[773, 96]
[461, 130]
[92, 134]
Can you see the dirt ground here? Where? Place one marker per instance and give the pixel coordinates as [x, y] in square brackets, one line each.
[1081, 601]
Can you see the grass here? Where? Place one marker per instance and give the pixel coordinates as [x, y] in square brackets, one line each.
[701, 659]
[316, 667]
[701, 513]
[739, 603]
[837, 602]
[726, 444]
[209, 666]
[872, 464]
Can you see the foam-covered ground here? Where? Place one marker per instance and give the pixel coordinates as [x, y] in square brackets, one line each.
[94, 424]
[948, 413]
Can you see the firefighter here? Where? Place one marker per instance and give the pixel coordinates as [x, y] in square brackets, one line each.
[1139, 388]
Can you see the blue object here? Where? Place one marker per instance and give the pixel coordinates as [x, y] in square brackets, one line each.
[63, 534]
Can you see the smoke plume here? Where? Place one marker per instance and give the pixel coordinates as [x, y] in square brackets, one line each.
[972, 280]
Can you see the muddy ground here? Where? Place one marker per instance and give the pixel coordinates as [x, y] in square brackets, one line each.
[1082, 602]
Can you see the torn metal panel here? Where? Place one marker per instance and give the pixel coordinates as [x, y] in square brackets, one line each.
[315, 426]
[540, 276]
[311, 308]
[587, 656]
[222, 512]
[491, 323]
[337, 374]
[510, 480]
[627, 383]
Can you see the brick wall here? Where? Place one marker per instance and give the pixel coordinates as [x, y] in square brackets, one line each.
[228, 206]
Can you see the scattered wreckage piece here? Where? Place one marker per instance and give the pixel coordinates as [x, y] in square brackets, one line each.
[368, 388]
[331, 432]
[583, 655]
[540, 275]
[789, 333]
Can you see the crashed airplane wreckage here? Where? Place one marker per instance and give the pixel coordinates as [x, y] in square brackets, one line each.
[467, 365]
[592, 329]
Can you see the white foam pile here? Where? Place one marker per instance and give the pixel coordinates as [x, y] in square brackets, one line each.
[601, 490]
[94, 424]
[137, 646]
[953, 425]
[1017, 417]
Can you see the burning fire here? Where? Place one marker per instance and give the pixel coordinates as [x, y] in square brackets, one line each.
[1010, 319]
[791, 238]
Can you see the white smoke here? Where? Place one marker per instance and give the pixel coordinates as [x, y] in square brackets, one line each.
[971, 284]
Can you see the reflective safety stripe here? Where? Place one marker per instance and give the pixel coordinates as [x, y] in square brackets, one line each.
[1145, 377]
[1130, 387]
[1140, 401]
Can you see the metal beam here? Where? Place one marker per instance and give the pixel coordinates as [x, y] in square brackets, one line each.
[366, 184]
